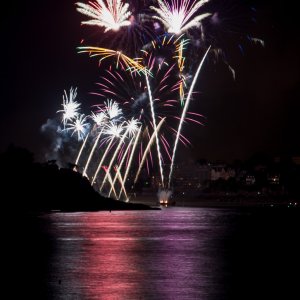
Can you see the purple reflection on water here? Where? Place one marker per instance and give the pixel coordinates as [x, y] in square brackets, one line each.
[168, 254]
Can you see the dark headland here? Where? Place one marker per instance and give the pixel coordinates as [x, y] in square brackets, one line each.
[44, 187]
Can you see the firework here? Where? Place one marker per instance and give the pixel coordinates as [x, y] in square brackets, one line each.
[79, 125]
[131, 91]
[112, 110]
[113, 131]
[183, 115]
[110, 14]
[118, 172]
[181, 61]
[70, 107]
[130, 159]
[80, 150]
[128, 36]
[122, 185]
[154, 137]
[155, 130]
[84, 173]
[179, 15]
[131, 127]
[143, 94]
[118, 168]
[121, 59]
[171, 46]
[110, 180]
[99, 120]
[164, 196]
[145, 72]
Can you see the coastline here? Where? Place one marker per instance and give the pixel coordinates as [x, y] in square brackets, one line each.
[221, 201]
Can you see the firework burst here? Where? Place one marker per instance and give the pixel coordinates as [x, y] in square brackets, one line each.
[113, 110]
[110, 14]
[70, 107]
[172, 46]
[78, 125]
[142, 96]
[99, 118]
[131, 92]
[179, 16]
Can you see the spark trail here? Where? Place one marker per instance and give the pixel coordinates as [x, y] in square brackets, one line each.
[114, 157]
[114, 132]
[102, 160]
[184, 114]
[81, 149]
[153, 137]
[132, 64]
[110, 181]
[99, 120]
[122, 185]
[91, 154]
[130, 159]
[121, 164]
[155, 129]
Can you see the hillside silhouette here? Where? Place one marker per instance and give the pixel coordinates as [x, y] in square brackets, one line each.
[33, 186]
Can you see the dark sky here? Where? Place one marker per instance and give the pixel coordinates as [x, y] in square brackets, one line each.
[256, 112]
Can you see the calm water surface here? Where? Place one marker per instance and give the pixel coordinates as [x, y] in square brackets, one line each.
[175, 253]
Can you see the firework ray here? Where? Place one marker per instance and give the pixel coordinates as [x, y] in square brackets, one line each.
[153, 137]
[155, 130]
[114, 132]
[99, 119]
[184, 114]
[132, 93]
[131, 64]
[121, 165]
[81, 149]
[91, 153]
[110, 181]
[122, 185]
[130, 159]
[129, 130]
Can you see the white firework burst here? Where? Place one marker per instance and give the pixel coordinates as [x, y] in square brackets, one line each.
[178, 16]
[79, 125]
[110, 14]
[70, 107]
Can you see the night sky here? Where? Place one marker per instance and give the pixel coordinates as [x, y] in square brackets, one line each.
[258, 112]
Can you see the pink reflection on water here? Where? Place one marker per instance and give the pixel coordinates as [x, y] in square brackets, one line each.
[111, 269]
[129, 255]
